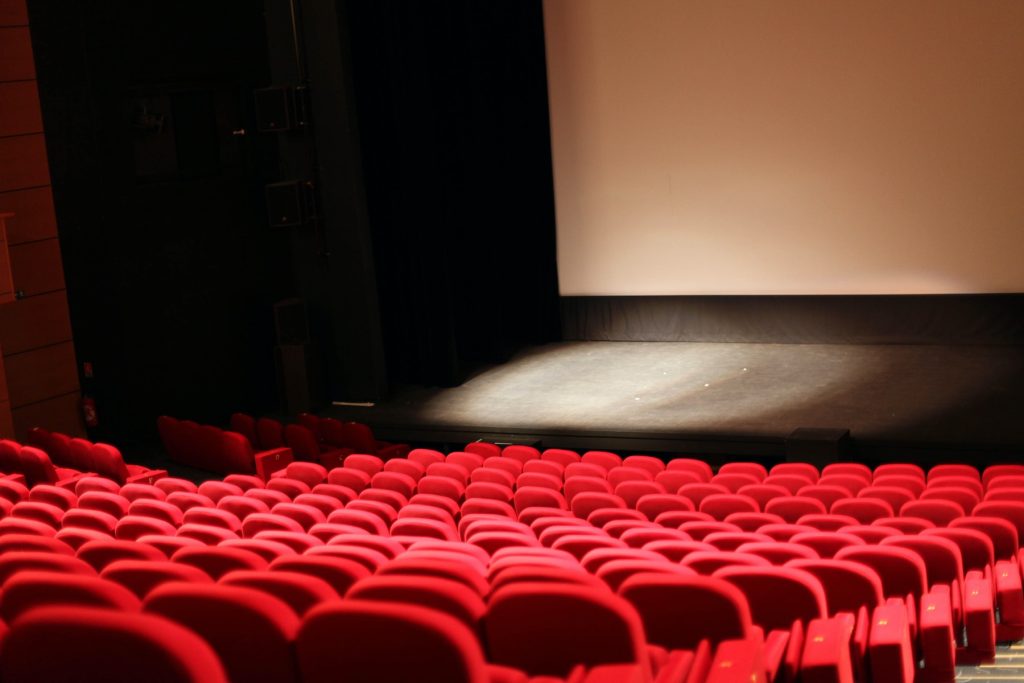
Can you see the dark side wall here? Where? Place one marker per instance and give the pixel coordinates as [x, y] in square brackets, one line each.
[453, 112]
[170, 267]
[38, 375]
[428, 148]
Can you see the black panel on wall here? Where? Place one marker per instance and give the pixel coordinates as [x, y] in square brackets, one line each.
[824, 319]
[452, 103]
[170, 266]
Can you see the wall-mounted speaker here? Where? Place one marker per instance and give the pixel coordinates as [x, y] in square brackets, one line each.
[298, 377]
[290, 203]
[819, 446]
[275, 109]
[290, 323]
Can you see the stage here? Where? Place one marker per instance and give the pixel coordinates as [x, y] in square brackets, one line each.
[919, 402]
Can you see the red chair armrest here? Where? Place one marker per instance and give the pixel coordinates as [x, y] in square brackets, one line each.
[334, 457]
[389, 451]
[268, 462]
[145, 476]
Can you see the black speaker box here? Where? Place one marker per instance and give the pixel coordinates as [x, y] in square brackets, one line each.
[275, 109]
[287, 203]
[290, 323]
[819, 446]
[298, 378]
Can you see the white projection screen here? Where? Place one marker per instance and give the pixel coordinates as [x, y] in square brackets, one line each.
[707, 147]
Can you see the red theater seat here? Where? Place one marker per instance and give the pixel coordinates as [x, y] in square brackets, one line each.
[734, 481]
[112, 646]
[753, 469]
[850, 482]
[976, 548]
[848, 586]
[864, 510]
[536, 627]
[721, 505]
[99, 554]
[207, 534]
[307, 447]
[896, 497]
[53, 495]
[825, 493]
[185, 500]
[678, 612]
[251, 631]
[697, 467]
[792, 508]
[615, 572]
[46, 513]
[1011, 511]
[709, 562]
[359, 438]
[352, 478]
[269, 433]
[171, 484]
[779, 553]
[444, 566]
[142, 576]
[790, 482]
[28, 590]
[380, 641]
[218, 561]
[483, 449]
[510, 465]
[938, 512]
[778, 596]
[798, 468]
[603, 459]
[854, 469]
[243, 481]
[911, 484]
[268, 549]
[993, 471]
[246, 426]
[301, 592]
[90, 483]
[15, 561]
[902, 571]
[444, 595]
[17, 542]
[340, 573]
[426, 456]
[953, 470]
[550, 467]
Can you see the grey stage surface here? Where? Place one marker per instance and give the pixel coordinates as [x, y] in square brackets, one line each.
[727, 398]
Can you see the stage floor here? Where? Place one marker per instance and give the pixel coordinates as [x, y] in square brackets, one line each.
[726, 398]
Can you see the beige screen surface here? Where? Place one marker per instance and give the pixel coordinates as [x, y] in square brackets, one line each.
[787, 146]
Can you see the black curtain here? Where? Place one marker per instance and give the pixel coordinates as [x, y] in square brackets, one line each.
[453, 119]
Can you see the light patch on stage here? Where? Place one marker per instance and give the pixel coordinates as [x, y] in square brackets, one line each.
[755, 389]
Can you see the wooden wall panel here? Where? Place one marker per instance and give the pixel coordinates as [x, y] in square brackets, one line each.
[16, 63]
[33, 322]
[37, 267]
[6, 290]
[3, 380]
[41, 386]
[34, 217]
[6, 421]
[23, 162]
[58, 414]
[20, 112]
[40, 374]
[13, 13]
